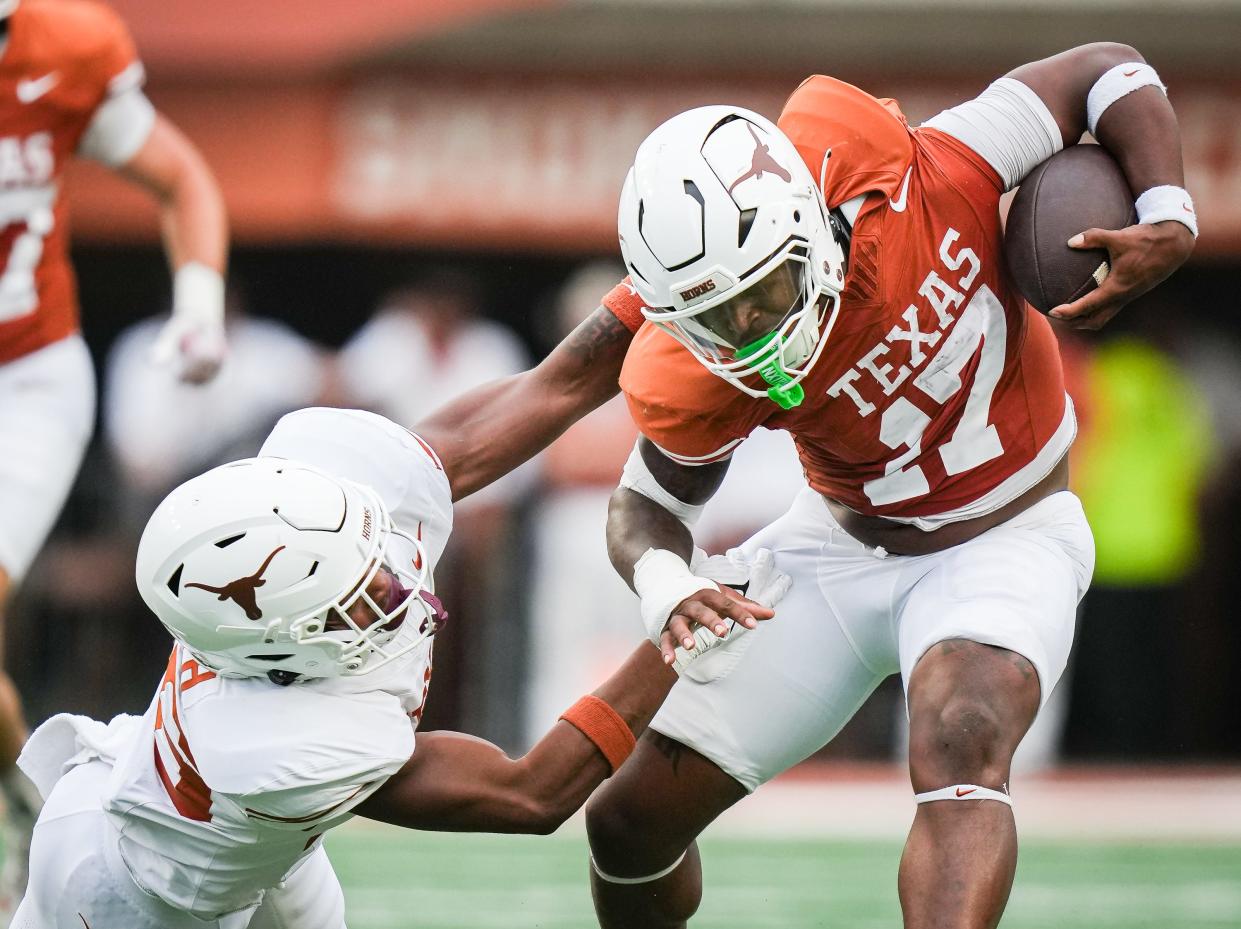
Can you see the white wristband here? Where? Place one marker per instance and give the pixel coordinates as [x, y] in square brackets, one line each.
[1160, 204]
[1115, 83]
[198, 289]
[662, 579]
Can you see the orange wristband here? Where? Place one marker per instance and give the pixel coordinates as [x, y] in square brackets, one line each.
[601, 724]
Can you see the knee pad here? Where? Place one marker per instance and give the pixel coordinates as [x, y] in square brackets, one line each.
[964, 792]
[612, 879]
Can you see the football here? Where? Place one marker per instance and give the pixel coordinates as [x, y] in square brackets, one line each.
[1077, 189]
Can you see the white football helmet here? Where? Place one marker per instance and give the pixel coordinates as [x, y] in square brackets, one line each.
[255, 565]
[728, 243]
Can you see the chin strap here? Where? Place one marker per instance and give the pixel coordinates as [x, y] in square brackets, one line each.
[965, 792]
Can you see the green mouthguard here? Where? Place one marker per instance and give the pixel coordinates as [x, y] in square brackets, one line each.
[781, 390]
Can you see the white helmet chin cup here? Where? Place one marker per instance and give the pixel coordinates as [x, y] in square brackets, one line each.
[247, 564]
[717, 198]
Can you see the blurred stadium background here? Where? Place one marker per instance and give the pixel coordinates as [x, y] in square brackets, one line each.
[422, 195]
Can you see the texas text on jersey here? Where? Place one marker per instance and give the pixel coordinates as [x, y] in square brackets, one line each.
[61, 59]
[940, 395]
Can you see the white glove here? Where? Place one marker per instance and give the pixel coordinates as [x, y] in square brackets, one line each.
[194, 335]
[757, 577]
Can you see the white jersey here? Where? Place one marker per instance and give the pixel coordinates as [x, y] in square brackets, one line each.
[227, 784]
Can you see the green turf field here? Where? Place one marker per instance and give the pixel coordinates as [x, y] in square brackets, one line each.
[426, 881]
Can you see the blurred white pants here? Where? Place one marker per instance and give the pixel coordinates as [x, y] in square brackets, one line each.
[47, 414]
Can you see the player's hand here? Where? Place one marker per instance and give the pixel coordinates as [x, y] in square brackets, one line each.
[715, 610]
[195, 345]
[1140, 257]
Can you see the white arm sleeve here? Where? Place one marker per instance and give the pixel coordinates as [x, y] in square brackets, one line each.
[1008, 124]
[120, 126]
[638, 478]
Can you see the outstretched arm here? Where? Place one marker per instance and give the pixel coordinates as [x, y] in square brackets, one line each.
[196, 239]
[489, 431]
[1140, 130]
[458, 783]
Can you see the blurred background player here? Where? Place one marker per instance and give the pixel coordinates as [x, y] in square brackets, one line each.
[241, 403]
[71, 85]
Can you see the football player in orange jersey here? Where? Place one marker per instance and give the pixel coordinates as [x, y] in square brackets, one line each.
[841, 276]
[71, 84]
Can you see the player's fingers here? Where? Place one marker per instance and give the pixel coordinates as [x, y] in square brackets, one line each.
[731, 605]
[667, 647]
[698, 612]
[1094, 238]
[744, 610]
[678, 627]
[1083, 313]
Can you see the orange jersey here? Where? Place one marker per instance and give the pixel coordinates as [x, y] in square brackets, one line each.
[60, 60]
[939, 390]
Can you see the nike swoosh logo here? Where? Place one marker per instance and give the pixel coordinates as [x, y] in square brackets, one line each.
[898, 205]
[963, 793]
[28, 91]
[1131, 73]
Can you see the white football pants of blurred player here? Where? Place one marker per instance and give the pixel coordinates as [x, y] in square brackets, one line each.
[77, 878]
[47, 413]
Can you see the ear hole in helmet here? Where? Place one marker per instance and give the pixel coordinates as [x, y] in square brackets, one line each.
[746, 224]
[174, 582]
[225, 543]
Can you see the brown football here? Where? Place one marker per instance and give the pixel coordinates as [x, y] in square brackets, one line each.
[1074, 190]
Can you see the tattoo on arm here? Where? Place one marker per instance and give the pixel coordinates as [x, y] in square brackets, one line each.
[598, 335]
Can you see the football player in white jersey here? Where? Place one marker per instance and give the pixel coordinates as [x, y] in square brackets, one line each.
[298, 589]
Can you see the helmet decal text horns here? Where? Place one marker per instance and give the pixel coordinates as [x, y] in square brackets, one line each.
[243, 591]
[763, 161]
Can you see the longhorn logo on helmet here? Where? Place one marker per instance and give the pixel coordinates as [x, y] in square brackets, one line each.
[763, 161]
[243, 591]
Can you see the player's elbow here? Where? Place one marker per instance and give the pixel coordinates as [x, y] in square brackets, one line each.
[538, 803]
[540, 815]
